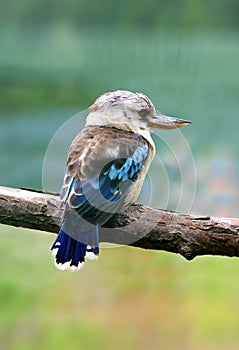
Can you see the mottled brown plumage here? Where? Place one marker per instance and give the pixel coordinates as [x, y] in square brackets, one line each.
[94, 147]
[86, 149]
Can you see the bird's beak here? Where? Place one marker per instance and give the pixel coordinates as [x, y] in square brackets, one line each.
[165, 122]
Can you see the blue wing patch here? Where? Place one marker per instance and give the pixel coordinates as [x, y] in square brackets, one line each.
[114, 182]
[122, 170]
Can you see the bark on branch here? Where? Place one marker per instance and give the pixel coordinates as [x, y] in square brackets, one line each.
[139, 226]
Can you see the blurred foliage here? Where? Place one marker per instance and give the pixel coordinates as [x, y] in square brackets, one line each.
[150, 14]
[128, 299]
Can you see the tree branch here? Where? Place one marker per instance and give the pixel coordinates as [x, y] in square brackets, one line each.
[139, 226]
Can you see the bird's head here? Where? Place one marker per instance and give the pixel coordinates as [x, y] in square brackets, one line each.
[130, 111]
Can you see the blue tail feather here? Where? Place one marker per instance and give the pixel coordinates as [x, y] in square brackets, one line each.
[70, 253]
[79, 253]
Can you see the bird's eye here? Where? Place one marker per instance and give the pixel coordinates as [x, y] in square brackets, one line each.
[143, 112]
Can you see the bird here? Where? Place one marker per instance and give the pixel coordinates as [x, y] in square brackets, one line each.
[105, 170]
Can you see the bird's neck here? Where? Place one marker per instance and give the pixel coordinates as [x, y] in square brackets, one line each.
[120, 121]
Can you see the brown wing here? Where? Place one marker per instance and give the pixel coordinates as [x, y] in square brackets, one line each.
[103, 164]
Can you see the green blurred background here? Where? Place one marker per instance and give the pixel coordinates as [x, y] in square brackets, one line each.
[56, 58]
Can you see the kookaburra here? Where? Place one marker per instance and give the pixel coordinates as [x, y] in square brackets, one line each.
[106, 166]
